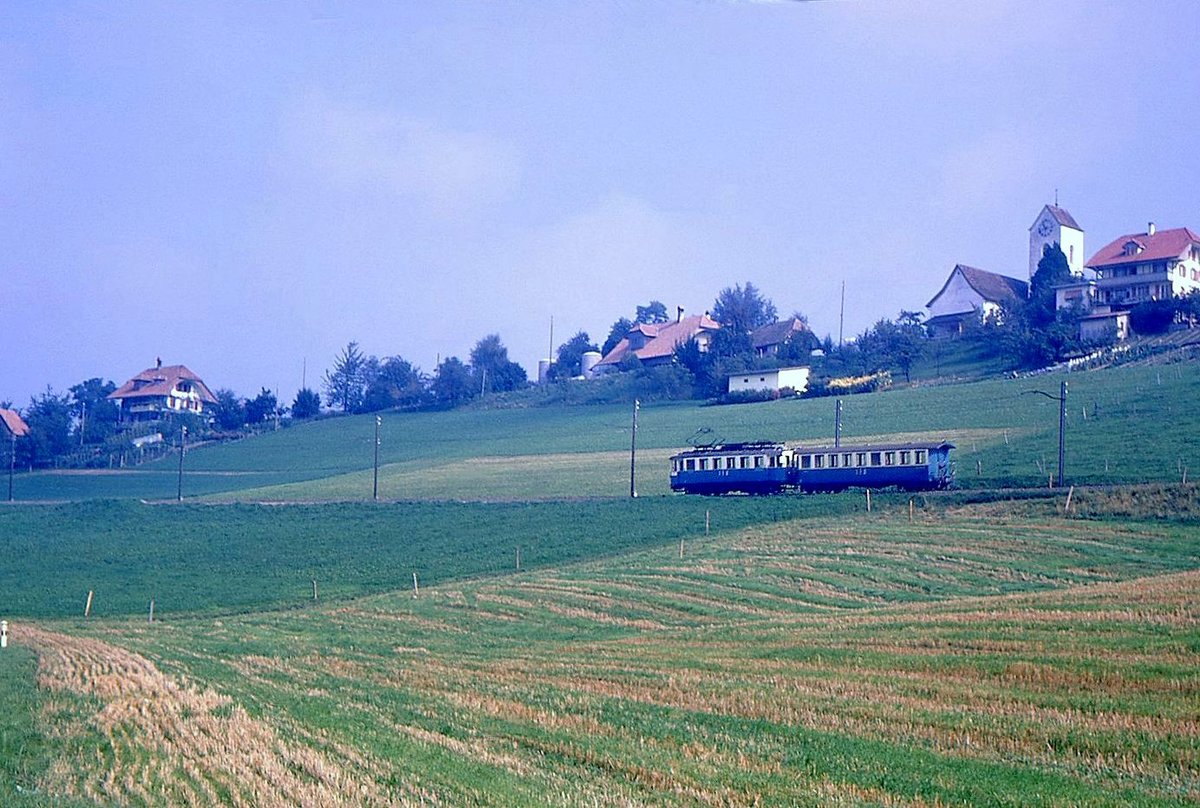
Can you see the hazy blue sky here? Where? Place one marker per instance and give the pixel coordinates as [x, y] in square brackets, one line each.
[241, 187]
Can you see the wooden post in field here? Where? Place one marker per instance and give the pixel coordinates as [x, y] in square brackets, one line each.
[1184, 480]
[910, 510]
[518, 558]
[314, 580]
[1051, 483]
[151, 620]
[87, 609]
[978, 466]
[416, 589]
[681, 548]
[707, 521]
[1070, 493]
[868, 500]
[1006, 437]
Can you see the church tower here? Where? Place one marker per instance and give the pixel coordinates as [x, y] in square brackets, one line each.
[1055, 225]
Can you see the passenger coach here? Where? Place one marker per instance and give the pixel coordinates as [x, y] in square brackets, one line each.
[768, 468]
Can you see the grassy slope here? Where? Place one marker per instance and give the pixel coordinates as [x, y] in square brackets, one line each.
[987, 656]
[1138, 428]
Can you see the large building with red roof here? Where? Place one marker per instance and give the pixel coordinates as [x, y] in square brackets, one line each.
[655, 343]
[162, 389]
[1139, 267]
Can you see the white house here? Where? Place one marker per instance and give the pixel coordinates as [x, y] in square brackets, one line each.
[971, 294]
[161, 389]
[795, 378]
[1138, 267]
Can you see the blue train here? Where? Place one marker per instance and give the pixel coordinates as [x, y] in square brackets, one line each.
[769, 468]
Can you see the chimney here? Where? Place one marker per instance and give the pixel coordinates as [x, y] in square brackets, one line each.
[679, 314]
[1150, 229]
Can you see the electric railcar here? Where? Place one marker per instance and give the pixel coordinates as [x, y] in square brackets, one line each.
[769, 468]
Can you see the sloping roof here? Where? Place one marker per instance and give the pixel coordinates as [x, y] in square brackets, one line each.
[13, 424]
[160, 381]
[778, 332]
[1163, 245]
[1062, 217]
[664, 338]
[991, 286]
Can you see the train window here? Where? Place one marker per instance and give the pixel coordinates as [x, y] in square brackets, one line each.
[860, 459]
[729, 462]
[922, 458]
[819, 461]
[691, 464]
[758, 461]
[742, 461]
[805, 461]
[889, 458]
[904, 458]
[833, 461]
[704, 464]
[847, 460]
[876, 459]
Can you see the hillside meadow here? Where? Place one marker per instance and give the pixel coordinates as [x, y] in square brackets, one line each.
[1124, 425]
[988, 653]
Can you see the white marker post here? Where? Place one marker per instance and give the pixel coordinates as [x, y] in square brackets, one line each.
[3, 633]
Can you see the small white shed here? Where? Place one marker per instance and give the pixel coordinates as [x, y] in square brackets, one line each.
[777, 379]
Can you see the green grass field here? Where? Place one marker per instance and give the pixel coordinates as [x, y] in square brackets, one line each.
[990, 648]
[988, 654]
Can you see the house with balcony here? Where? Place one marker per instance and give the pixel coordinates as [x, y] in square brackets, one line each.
[161, 390]
[1140, 267]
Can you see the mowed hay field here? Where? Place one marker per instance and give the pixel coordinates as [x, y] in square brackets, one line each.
[986, 647]
[982, 654]
[1124, 425]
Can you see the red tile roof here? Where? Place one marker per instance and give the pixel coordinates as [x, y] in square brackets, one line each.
[664, 338]
[1163, 245]
[1063, 218]
[160, 381]
[13, 423]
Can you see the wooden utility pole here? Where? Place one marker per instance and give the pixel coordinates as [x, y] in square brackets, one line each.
[633, 451]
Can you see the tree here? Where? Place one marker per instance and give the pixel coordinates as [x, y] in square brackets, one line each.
[617, 333]
[452, 384]
[307, 404]
[395, 383]
[652, 312]
[570, 356]
[96, 415]
[261, 408]
[1052, 270]
[49, 420]
[229, 411]
[493, 370]
[742, 310]
[344, 384]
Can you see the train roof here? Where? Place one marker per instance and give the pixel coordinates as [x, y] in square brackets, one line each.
[758, 446]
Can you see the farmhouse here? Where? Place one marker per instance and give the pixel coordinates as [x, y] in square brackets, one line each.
[161, 389]
[971, 294]
[13, 426]
[795, 378]
[655, 343]
[768, 339]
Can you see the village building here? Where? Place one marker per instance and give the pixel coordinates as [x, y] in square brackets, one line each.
[971, 295]
[1054, 225]
[794, 378]
[159, 390]
[1140, 267]
[655, 343]
[768, 339]
[12, 426]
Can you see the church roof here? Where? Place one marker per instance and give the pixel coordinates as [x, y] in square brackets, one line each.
[1159, 246]
[991, 286]
[1063, 218]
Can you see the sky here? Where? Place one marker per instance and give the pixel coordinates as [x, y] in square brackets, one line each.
[244, 188]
